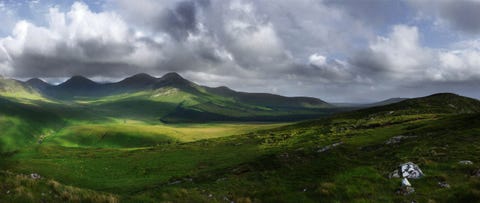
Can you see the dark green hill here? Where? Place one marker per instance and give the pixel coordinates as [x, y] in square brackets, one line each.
[269, 100]
[38, 84]
[441, 103]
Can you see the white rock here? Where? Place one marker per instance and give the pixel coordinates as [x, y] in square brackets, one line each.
[465, 162]
[35, 176]
[405, 182]
[410, 170]
[443, 184]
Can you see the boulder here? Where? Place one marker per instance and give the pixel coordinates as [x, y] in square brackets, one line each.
[394, 174]
[405, 190]
[476, 173]
[35, 176]
[407, 170]
[465, 162]
[397, 139]
[443, 184]
[406, 183]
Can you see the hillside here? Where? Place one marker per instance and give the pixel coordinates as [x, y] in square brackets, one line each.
[18, 90]
[441, 103]
[171, 98]
[346, 158]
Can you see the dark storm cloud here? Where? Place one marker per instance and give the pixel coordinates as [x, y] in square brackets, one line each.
[181, 20]
[369, 63]
[95, 49]
[34, 65]
[204, 3]
[376, 12]
[461, 15]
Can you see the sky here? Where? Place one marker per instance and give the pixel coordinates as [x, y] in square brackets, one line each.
[335, 50]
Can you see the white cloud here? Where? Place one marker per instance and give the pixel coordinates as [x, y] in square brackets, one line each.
[401, 51]
[317, 60]
[458, 65]
[401, 56]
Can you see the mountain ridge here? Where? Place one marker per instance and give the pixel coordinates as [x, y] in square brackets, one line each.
[140, 81]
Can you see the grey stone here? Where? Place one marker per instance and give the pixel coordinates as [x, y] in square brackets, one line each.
[397, 139]
[405, 190]
[406, 183]
[476, 173]
[394, 174]
[328, 147]
[465, 162]
[407, 170]
[35, 176]
[443, 184]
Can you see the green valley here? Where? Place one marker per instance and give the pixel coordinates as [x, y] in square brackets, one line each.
[147, 139]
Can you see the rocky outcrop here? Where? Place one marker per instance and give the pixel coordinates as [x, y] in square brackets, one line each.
[407, 170]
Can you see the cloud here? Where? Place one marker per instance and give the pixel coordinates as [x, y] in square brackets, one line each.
[401, 56]
[69, 42]
[303, 47]
[317, 60]
[460, 15]
[372, 12]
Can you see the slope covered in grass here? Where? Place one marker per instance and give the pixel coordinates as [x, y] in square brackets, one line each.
[138, 134]
[23, 124]
[442, 103]
[343, 158]
[23, 188]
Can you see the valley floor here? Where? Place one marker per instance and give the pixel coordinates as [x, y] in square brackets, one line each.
[337, 159]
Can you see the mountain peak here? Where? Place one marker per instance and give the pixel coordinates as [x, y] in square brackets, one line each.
[36, 81]
[139, 78]
[443, 94]
[143, 75]
[172, 75]
[175, 80]
[78, 81]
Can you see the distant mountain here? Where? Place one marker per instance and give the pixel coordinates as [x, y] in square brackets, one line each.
[140, 81]
[175, 99]
[17, 89]
[270, 100]
[367, 105]
[385, 102]
[78, 83]
[38, 84]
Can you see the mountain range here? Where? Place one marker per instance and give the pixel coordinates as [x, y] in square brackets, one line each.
[172, 98]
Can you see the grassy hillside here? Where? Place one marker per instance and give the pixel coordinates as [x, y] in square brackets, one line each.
[345, 158]
[23, 124]
[22, 188]
[19, 91]
[443, 103]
